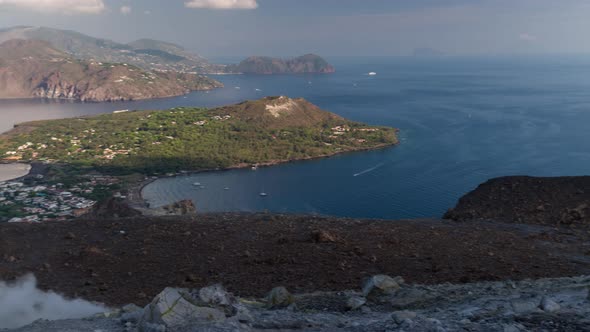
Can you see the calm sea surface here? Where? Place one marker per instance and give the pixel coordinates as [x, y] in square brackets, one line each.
[462, 121]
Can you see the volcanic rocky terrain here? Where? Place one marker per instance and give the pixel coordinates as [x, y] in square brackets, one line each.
[491, 253]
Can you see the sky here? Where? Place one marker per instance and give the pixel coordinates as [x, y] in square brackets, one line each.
[325, 27]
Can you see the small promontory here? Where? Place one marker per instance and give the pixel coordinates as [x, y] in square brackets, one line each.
[267, 131]
[309, 63]
[35, 69]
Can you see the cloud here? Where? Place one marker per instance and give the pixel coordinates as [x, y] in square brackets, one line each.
[21, 303]
[527, 37]
[64, 6]
[125, 10]
[222, 4]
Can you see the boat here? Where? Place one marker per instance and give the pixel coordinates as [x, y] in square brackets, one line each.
[197, 184]
[263, 194]
[372, 73]
[254, 167]
[226, 188]
[120, 111]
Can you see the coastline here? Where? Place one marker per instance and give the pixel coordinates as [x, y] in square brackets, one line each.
[112, 100]
[135, 198]
[13, 171]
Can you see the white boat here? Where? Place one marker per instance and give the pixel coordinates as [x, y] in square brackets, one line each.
[120, 111]
[197, 184]
[263, 194]
[372, 73]
[254, 167]
[226, 188]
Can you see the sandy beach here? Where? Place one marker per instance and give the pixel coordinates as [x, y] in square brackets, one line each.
[13, 171]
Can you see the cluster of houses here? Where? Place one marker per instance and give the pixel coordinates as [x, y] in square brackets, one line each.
[39, 202]
[221, 118]
[341, 130]
[111, 154]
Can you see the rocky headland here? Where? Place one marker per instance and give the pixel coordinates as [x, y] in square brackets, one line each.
[318, 273]
[267, 131]
[309, 63]
[35, 69]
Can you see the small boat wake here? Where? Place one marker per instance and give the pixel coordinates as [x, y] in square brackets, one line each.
[369, 170]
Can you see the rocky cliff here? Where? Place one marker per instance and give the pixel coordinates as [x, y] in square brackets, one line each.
[531, 200]
[309, 63]
[34, 69]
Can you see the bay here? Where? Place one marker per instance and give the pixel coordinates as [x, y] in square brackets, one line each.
[461, 120]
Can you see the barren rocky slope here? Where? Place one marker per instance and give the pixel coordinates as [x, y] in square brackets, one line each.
[250, 254]
[531, 200]
[323, 261]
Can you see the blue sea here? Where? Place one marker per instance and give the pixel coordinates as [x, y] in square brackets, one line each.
[462, 121]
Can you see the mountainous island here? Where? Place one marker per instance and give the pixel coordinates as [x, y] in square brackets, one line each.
[150, 54]
[266, 131]
[309, 63]
[36, 69]
[147, 54]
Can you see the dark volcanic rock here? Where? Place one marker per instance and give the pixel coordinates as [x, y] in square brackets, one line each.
[112, 208]
[241, 251]
[530, 200]
[180, 208]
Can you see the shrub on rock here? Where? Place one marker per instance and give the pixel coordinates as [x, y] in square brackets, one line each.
[381, 285]
[279, 297]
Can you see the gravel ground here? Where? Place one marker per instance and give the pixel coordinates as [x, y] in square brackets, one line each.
[540, 305]
[131, 260]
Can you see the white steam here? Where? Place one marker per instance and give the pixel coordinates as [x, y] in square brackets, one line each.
[21, 303]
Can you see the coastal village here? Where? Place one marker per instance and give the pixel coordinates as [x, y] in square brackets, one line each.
[35, 200]
[74, 143]
[173, 140]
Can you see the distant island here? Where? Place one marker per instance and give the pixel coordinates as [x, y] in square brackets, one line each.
[309, 63]
[263, 132]
[36, 69]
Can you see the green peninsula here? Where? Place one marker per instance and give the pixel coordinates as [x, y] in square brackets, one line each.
[264, 132]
